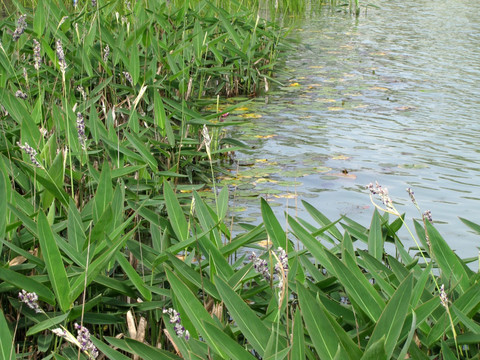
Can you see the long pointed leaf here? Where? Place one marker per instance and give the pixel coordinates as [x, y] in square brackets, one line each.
[251, 326]
[54, 263]
[391, 321]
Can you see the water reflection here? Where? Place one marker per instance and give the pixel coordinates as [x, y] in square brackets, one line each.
[392, 97]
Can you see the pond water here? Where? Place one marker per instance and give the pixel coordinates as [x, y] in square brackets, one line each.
[391, 96]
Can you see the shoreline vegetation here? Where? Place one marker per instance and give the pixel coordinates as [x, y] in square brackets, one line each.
[111, 124]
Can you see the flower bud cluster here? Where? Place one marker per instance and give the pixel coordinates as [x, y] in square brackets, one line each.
[261, 265]
[21, 26]
[427, 215]
[21, 95]
[31, 299]
[86, 344]
[81, 130]
[30, 152]
[382, 192]
[36, 55]
[128, 77]
[61, 56]
[175, 319]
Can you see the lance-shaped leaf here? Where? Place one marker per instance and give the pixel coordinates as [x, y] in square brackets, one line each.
[54, 263]
[254, 330]
[175, 213]
[391, 321]
[194, 310]
[6, 343]
[325, 332]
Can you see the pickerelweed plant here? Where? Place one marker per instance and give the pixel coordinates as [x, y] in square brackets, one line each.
[102, 221]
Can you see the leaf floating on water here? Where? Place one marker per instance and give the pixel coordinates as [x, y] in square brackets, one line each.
[322, 169]
[340, 157]
[265, 243]
[380, 53]
[265, 136]
[327, 100]
[379, 88]
[265, 180]
[413, 166]
[343, 175]
[294, 84]
[285, 196]
[250, 116]
[335, 108]
[243, 108]
[316, 67]
[405, 108]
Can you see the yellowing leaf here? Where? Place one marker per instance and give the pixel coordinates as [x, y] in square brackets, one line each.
[251, 116]
[243, 108]
[335, 108]
[345, 175]
[327, 100]
[265, 243]
[265, 136]
[340, 157]
[316, 67]
[285, 196]
[379, 88]
[294, 84]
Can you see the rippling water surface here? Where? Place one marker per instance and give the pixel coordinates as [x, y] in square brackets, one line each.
[392, 96]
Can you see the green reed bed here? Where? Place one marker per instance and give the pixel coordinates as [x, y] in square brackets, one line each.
[107, 250]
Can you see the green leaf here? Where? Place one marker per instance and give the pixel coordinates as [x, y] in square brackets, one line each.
[376, 351]
[391, 321]
[27, 283]
[251, 326]
[475, 227]
[447, 353]
[298, 340]
[357, 286]
[159, 112]
[468, 322]
[39, 19]
[4, 198]
[407, 343]
[206, 219]
[322, 220]
[108, 351]
[193, 276]
[324, 331]
[193, 308]
[134, 64]
[100, 263]
[273, 227]
[452, 268]
[134, 277]
[54, 262]
[144, 351]
[6, 340]
[175, 213]
[104, 192]
[51, 322]
[375, 237]
[225, 342]
[76, 232]
[142, 148]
